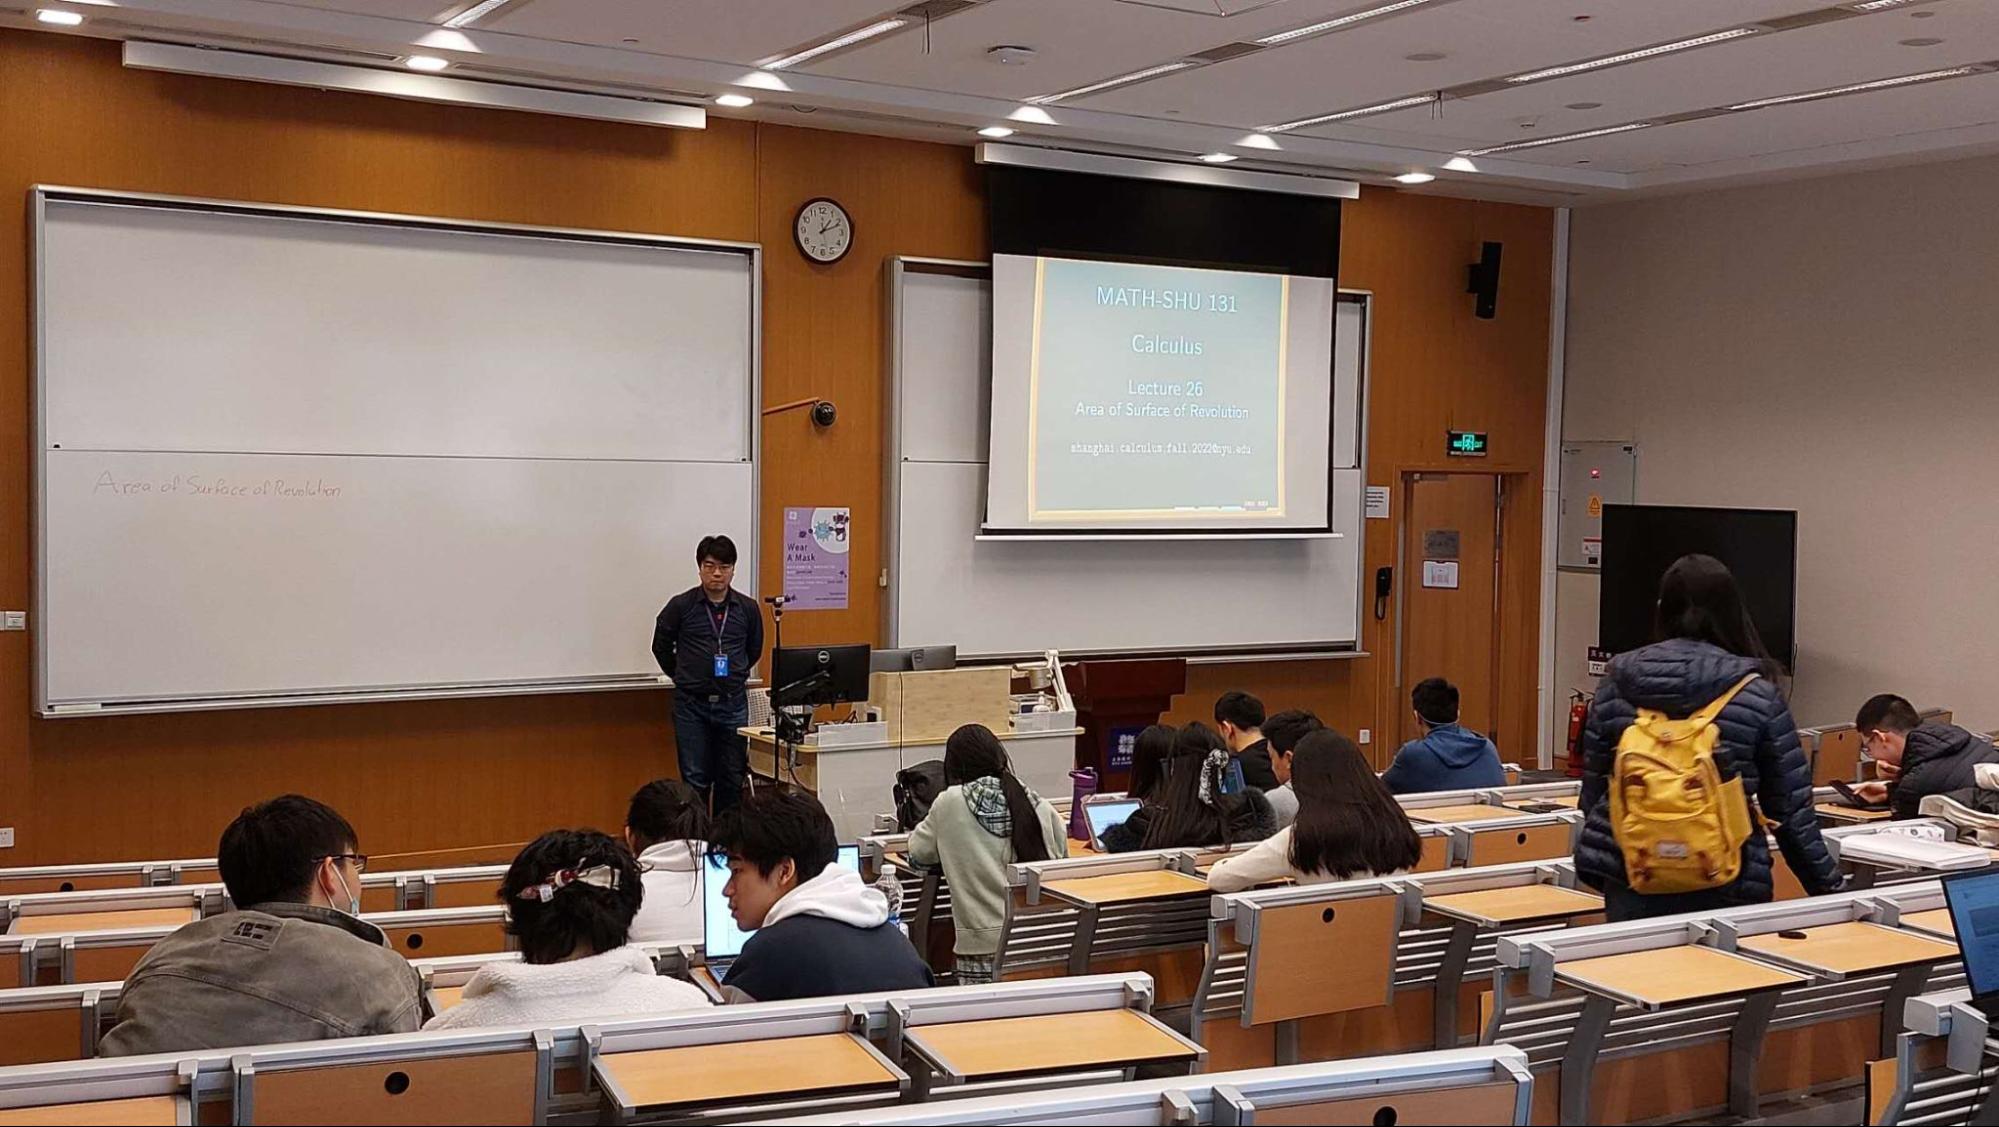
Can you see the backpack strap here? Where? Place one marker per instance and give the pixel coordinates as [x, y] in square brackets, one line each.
[1707, 715]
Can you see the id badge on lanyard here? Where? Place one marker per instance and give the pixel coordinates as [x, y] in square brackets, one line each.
[721, 657]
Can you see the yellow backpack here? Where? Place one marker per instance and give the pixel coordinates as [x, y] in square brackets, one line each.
[1680, 827]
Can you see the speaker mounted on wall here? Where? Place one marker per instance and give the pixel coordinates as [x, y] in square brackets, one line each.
[1483, 280]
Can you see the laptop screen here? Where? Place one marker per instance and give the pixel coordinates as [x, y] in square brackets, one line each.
[1104, 815]
[1974, 912]
[721, 938]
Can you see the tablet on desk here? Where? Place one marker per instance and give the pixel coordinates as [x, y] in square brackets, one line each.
[1105, 813]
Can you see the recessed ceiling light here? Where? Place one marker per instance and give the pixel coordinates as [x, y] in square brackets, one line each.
[1923, 41]
[1634, 56]
[1259, 141]
[1342, 115]
[734, 101]
[1881, 5]
[1338, 22]
[1426, 57]
[859, 35]
[426, 63]
[1415, 178]
[1585, 105]
[476, 13]
[1584, 160]
[1010, 55]
[1922, 15]
[1217, 158]
[1031, 115]
[1540, 142]
[1856, 88]
[59, 17]
[996, 132]
[629, 39]
[1460, 164]
[1120, 80]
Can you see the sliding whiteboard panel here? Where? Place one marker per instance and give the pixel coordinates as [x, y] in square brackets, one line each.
[1014, 595]
[289, 456]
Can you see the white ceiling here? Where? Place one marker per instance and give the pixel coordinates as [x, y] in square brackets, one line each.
[938, 81]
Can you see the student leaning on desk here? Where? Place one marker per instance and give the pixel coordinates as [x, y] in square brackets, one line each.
[1918, 760]
[819, 928]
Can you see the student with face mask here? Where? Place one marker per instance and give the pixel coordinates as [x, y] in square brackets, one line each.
[819, 928]
[291, 963]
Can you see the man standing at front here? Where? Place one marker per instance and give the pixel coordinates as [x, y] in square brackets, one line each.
[706, 640]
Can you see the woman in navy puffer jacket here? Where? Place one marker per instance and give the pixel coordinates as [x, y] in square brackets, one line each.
[1709, 645]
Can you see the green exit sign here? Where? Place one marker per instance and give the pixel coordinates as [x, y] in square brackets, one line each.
[1466, 443]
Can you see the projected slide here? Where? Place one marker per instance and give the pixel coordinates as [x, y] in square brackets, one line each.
[1158, 397]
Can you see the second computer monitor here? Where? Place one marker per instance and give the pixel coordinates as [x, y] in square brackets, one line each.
[819, 675]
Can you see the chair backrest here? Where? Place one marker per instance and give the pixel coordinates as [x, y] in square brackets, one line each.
[445, 931]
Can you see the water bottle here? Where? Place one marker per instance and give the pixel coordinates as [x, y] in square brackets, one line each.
[1085, 780]
[891, 889]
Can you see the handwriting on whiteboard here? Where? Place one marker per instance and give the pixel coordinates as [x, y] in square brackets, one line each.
[198, 486]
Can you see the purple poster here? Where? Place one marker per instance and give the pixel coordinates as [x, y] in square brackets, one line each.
[815, 559]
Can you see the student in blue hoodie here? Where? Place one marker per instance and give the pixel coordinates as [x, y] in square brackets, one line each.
[1448, 757]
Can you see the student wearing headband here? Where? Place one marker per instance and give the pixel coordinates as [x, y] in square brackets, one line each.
[570, 897]
[1195, 806]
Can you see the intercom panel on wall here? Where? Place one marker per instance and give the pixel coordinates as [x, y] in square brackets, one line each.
[1594, 474]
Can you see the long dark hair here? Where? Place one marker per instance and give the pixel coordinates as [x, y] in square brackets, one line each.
[666, 810]
[1699, 599]
[973, 753]
[1348, 824]
[1148, 761]
[1184, 819]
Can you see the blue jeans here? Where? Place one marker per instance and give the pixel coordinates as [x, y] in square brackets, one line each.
[714, 759]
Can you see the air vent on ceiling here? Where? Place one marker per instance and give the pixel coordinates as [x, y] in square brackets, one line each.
[937, 9]
[1226, 51]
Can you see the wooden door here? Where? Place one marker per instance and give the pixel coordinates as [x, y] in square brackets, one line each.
[1449, 624]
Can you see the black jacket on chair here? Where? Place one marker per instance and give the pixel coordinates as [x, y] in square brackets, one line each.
[1937, 759]
[1759, 744]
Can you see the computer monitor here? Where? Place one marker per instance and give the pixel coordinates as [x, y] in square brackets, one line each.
[721, 939]
[818, 675]
[1105, 813]
[912, 658]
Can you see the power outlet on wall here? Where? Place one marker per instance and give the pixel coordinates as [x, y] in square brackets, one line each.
[6, 837]
[1366, 736]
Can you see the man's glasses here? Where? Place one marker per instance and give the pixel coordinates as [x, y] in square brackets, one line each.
[360, 860]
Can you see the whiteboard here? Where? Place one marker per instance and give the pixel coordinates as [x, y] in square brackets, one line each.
[289, 456]
[1009, 595]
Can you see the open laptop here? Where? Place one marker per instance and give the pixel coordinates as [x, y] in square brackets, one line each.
[1974, 914]
[721, 939]
[1104, 811]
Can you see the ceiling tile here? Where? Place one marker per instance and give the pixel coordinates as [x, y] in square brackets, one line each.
[422, 11]
[738, 31]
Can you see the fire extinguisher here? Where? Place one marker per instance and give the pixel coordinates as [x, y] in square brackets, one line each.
[1578, 713]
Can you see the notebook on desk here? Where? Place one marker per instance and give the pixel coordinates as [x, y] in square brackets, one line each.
[721, 939]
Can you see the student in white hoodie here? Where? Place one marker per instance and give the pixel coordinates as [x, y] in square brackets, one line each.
[984, 821]
[819, 928]
[667, 828]
[1348, 825]
[570, 897]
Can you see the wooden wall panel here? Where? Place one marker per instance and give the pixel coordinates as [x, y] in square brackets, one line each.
[432, 775]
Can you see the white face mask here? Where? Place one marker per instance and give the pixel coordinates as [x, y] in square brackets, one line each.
[353, 895]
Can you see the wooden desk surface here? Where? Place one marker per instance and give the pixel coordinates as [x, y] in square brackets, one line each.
[1495, 906]
[1851, 948]
[698, 1074]
[1470, 812]
[1936, 921]
[1048, 1043]
[101, 921]
[1567, 800]
[141, 1112]
[1672, 975]
[1839, 812]
[1121, 887]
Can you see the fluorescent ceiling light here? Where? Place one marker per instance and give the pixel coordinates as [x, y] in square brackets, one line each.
[428, 63]
[882, 27]
[1855, 88]
[476, 13]
[734, 101]
[1538, 142]
[1217, 158]
[59, 17]
[1634, 56]
[1120, 80]
[1338, 22]
[1415, 178]
[1379, 107]
[1881, 5]
[996, 132]
[1460, 164]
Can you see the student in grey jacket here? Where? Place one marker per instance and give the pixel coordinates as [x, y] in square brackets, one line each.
[292, 964]
[984, 821]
